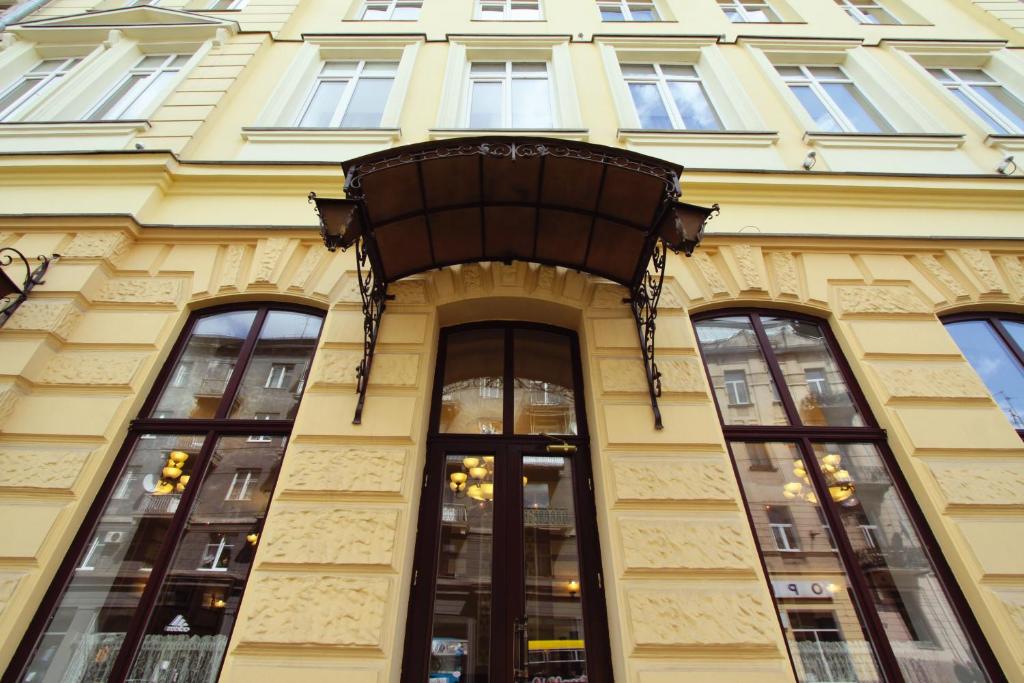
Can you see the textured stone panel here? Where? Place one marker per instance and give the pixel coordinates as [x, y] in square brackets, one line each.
[937, 270]
[785, 273]
[980, 482]
[315, 610]
[984, 268]
[389, 369]
[8, 584]
[315, 255]
[709, 270]
[1014, 270]
[474, 280]
[662, 543]
[102, 369]
[48, 316]
[880, 299]
[668, 480]
[931, 381]
[748, 266]
[40, 469]
[409, 291]
[680, 375]
[701, 618]
[350, 469]
[96, 245]
[609, 296]
[9, 396]
[324, 535]
[231, 266]
[140, 290]
[268, 254]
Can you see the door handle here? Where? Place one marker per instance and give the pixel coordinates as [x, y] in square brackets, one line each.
[520, 648]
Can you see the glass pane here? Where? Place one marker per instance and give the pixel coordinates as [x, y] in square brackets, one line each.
[485, 105]
[812, 591]
[276, 373]
[611, 13]
[151, 62]
[531, 103]
[694, 107]
[790, 72]
[461, 631]
[367, 104]
[487, 68]
[864, 117]
[974, 75]
[823, 121]
[474, 368]
[197, 605]
[554, 609]
[201, 375]
[810, 371]
[339, 69]
[147, 97]
[324, 103]
[1016, 330]
[973, 106]
[639, 70]
[375, 13]
[679, 70]
[123, 92]
[828, 73]
[1003, 102]
[941, 75]
[730, 348]
[544, 398]
[85, 631]
[406, 12]
[643, 13]
[16, 92]
[927, 639]
[649, 107]
[998, 369]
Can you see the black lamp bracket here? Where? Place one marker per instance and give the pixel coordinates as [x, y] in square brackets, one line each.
[33, 277]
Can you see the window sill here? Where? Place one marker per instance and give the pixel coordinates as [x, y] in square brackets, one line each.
[295, 134]
[50, 136]
[579, 134]
[915, 141]
[743, 138]
[1009, 143]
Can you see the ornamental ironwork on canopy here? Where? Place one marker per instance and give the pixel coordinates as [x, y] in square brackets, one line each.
[600, 210]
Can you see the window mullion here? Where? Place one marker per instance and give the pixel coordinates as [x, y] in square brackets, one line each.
[1008, 339]
[834, 109]
[776, 372]
[984, 105]
[244, 354]
[344, 101]
[506, 97]
[670, 104]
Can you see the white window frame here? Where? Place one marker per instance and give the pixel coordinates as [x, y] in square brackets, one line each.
[834, 110]
[855, 12]
[245, 487]
[346, 97]
[221, 547]
[124, 486]
[392, 5]
[96, 546]
[47, 83]
[731, 392]
[181, 373]
[818, 386]
[281, 370]
[740, 7]
[506, 10]
[506, 90]
[627, 11]
[258, 438]
[667, 100]
[787, 532]
[149, 93]
[967, 87]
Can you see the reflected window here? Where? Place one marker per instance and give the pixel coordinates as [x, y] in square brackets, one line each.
[859, 592]
[510, 95]
[670, 96]
[190, 496]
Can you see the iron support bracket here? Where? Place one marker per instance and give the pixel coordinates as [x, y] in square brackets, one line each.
[33, 277]
[374, 294]
[643, 301]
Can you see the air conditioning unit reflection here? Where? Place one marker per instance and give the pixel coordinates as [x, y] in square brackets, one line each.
[114, 537]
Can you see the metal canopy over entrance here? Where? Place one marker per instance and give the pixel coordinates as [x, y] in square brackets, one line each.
[601, 210]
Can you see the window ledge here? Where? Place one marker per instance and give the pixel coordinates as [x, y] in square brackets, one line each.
[295, 134]
[742, 138]
[918, 141]
[71, 128]
[580, 134]
[1010, 143]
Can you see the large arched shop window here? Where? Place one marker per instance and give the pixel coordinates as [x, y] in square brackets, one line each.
[993, 344]
[859, 592]
[150, 589]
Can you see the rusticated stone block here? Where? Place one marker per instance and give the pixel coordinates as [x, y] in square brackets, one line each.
[96, 245]
[980, 482]
[749, 264]
[9, 396]
[1014, 270]
[315, 255]
[330, 611]
[8, 584]
[678, 618]
[325, 535]
[58, 318]
[409, 291]
[389, 369]
[660, 544]
[140, 290]
[984, 268]
[628, 375]
[349, 469]
[666, 480]
[931, 381]
[90, 368]
[609, 296]
[231, 266]
[784, 271]
[268, 254]
[943, 275]
[40, 469]
[880, 299]
[709, 270]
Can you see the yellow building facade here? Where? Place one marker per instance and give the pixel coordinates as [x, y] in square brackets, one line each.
[856, 309]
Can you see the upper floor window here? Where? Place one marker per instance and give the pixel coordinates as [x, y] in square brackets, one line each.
[349, 95]
[984, 96]
[39, 80]
[508, 10]
[670, 97]
[392, 10]
[510, 95]
[861, 593]
[174, 529]
[137, 93]
[867, 11]
[623, 10]
[994, 346]
[744, 11]
[832, 100]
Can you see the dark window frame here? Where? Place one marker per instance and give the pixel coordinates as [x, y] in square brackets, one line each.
[995, 321]
[803, 437]
[210, 429]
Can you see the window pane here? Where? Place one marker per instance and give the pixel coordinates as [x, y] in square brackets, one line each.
[649, 107]
[474, 367]
[460, 635]
[201, 375]
[85, 631]
[973, 106]
[823, 121]
[609, 13]
[730, 345]
[375, 13]
[998, 369]
[339, 69]
[864, 117]
[679, 70]
[531, 103]
[487, 68]
[1003, 102]
[694, 107]
[926, 635]
[406, 12]
[974, 75]
[16, 92]
[323, 105]
[128, 89]
[198, 603]
[804, 359]
[544, 398]
[147, 96]
[554, 609]
[811, 589]
[643, 13]
[275, 376]
[485, 105]
[367, 104]
[1016, 331]
[645, 70]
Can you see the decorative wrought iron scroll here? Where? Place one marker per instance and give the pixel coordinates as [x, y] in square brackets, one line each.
[643, 301]
[34, 277]
[374, 293]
